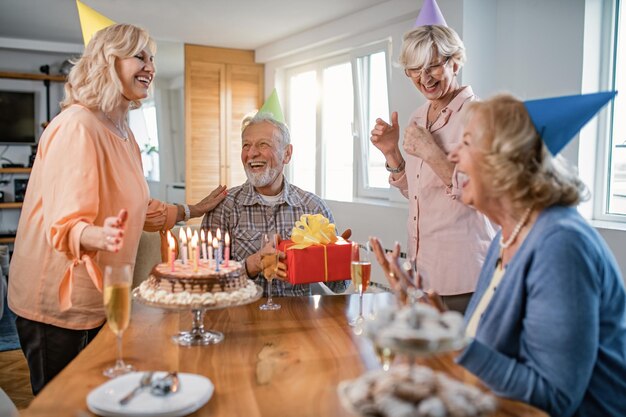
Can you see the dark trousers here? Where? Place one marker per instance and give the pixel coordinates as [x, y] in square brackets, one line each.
[457, 302]
[48, 349]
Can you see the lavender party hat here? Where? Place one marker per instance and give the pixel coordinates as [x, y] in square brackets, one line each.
[558, 119]
[430, 14]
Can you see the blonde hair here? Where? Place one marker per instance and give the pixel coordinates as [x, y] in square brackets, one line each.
[93, 81]
[419, 44]
[517, 160]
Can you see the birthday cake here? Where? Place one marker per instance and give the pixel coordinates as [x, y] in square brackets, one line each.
[206, 286]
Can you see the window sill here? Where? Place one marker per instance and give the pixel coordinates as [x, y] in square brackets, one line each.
[374, 202]
[608, 225]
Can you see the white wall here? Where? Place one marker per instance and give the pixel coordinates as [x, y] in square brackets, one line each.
[530, 48]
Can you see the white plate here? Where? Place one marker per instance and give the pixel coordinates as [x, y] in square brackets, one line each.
[195, 391]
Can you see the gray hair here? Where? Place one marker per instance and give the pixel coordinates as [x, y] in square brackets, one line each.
[419, 44]
[282, 135]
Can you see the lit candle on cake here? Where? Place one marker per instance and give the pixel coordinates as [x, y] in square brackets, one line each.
[189, 240]
[172, 250]
[226, 249]
[218, 256]
[183, 246]
[203, 244]
[209, 240]
[217, 260]
[195, 251]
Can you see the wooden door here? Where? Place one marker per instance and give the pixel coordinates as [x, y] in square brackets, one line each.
[221, 87]
[244, 95]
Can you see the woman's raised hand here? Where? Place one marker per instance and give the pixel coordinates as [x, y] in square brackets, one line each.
[108, 237]
[209, 202]
[386, 137]
[113, 231]
[418, 141]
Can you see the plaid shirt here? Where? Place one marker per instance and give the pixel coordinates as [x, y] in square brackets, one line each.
[247, 216]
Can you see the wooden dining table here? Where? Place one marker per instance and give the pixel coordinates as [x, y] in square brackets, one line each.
[287, 362]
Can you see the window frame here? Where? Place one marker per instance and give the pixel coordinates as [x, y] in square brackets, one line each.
[601, 131]
[360, 132]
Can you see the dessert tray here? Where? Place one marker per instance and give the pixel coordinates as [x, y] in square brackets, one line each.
[407, 390]
[417, 330]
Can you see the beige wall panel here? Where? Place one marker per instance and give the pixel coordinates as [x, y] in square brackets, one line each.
[244, 96]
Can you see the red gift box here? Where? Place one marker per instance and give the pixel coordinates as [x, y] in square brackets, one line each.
[317, 263]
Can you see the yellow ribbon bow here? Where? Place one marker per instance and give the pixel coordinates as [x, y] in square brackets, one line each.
[312, 229]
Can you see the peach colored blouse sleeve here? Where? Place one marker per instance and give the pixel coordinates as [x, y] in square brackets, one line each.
[160, 216]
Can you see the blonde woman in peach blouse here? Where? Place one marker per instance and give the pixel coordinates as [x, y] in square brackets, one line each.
[87, 202]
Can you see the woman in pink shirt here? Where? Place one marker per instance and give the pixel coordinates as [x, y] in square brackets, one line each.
[447, 239]
[86, 204]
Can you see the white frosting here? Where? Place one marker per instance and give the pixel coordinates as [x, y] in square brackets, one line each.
[206, 299]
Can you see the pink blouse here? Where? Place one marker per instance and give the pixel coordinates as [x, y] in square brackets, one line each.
[448, 239]
[82, 174]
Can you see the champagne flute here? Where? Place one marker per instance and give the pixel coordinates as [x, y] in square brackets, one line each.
[117, 282]
[269, 264]
[361, 269]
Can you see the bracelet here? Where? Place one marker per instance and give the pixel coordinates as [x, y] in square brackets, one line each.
[187, 212]
[400, 167]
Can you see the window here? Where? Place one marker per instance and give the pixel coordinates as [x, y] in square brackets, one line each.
[602, 146]
[616, 166]
[331, 108]
[143, 123]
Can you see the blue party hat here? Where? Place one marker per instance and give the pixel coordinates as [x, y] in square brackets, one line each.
[430, 14]
[558, 119]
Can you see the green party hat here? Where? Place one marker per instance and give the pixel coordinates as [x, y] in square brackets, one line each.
[272, 106]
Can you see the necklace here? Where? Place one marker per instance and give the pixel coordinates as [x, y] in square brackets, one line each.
[429, 123]
[516, 230]
[123, 133]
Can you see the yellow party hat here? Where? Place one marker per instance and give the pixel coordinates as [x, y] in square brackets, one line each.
[91, 21]
[272, 105]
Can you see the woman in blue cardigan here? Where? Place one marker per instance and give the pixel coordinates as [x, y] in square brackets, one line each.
[548, 319]
[547, 322]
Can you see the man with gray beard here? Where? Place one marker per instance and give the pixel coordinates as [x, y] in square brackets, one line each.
[265, 203]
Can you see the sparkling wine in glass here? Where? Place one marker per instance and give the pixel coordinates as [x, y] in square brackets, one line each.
[361, 269]
[385, 356]
[269, 264]
[117, 302]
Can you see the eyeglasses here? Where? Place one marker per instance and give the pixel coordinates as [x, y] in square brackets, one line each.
[433, 70]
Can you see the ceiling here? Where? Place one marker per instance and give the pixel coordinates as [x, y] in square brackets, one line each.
[244, 24]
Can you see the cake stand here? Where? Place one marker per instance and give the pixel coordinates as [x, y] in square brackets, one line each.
[198, 335]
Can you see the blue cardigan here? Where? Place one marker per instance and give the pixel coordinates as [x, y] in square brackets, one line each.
[554, 334]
